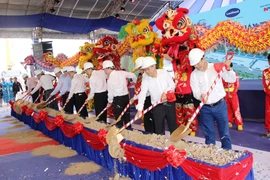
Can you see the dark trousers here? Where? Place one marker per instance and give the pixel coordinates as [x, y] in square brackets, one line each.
[119, 104]
[69, 107]
[162, 112]
[208, 116]
[35, 96]
[149, 123]
[79, 100]
[101, 100]
[53, 104]
[14, 94]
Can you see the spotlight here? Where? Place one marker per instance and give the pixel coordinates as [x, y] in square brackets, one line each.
[117, 15]
[132, 1]
[52, 10]
[122, 9]
[56, 2]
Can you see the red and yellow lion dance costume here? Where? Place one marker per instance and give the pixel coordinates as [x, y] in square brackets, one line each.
[178, 38]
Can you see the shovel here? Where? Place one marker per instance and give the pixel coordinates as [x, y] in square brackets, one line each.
[182, 131]
[123, 112]
[46, 103]
[89, 119]
[38, 98]
[114, 131]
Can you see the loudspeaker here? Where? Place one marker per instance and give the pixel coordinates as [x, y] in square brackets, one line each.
[47, 46]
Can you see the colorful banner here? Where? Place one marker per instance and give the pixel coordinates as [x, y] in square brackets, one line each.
[249, 14]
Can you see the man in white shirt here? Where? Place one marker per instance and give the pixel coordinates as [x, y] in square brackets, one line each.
[46, 82]
[158, 82]
[77, 90]
[215, 108]
[148, 120]
[118, 93]
[98, 89]
[30, 84]
[63, 85]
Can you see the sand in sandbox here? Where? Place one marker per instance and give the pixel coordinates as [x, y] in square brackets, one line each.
[32, 139]
[23, 134]
[57, 151]
[15, 122]
[9, 120]
[17, 126]
[82, 168]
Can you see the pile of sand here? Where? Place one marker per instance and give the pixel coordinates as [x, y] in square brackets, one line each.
[57, 151]
[82, 168]
[9, 120]
[207, 153]
[16, 126]
[26, 136]
[118, 177]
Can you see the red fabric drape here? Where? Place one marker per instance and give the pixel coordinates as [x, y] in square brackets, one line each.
[143, 158]
[42, 115]
[93, 140]
[237, 171]
[36, 117]
[153, 160]
[24, 108]
[50, 123]
[68, 130]
[29, 112]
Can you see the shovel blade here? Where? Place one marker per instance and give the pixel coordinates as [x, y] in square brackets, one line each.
[89, 119]
[41, 105]
[181, 132]
[111, 133]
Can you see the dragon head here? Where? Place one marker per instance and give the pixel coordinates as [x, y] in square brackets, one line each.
[175, 26]
[86, 54]
[141, 33]
[29, 60]
[50, 59]
[106, 49]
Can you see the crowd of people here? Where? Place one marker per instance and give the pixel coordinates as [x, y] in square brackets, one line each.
[9, 90]
[109, 87]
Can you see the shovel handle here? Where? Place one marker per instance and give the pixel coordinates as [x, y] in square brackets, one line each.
[122, 113]
[38, 98]
[101, 113]
[229, 56]
[51, 101]
[136, 118]
[82, 107]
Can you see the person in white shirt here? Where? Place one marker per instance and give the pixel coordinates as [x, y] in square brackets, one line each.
[30, 84]
[46, 82]
[63, 85]
[77, 90]
[148, 120]
[118, 93]
[98, 89]
[158, 82]
[215, 108]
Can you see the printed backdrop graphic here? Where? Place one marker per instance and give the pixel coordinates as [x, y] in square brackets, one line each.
[250, 14]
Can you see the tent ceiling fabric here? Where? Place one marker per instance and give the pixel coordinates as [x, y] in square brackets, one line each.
[96, 9]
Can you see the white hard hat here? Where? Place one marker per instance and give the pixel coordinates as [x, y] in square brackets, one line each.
[71, 68]
[38, 72]
[56, 70]
[107, 64]
[88, 65]
[65, 68]
[195, 56]
[138, 62]
[24, 76]
[147, 62]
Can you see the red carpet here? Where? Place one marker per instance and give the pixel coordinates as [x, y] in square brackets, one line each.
[10, 146]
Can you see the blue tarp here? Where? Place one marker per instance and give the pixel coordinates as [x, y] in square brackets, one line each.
[61, 23]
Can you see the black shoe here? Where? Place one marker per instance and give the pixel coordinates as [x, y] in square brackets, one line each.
[267, 134]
